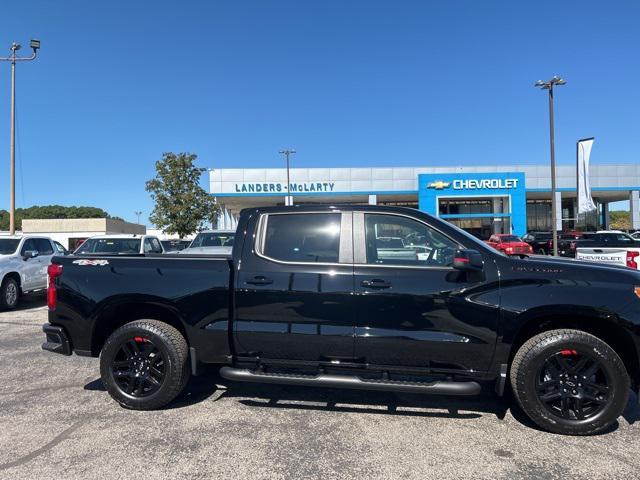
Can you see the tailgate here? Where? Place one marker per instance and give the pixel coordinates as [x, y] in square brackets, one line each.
[612, 256]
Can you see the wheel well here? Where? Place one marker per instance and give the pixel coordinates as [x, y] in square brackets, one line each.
[113, 318]
[15, 276]
[609, 332]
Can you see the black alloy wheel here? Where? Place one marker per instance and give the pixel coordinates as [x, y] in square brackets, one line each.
[570, 382]
[573, 385]
[144, 364]
[139, 367]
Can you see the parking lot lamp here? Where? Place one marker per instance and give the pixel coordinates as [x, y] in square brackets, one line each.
[548, 85]
[289, 197]
[13, 58]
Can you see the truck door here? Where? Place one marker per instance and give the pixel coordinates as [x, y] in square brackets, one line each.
[45, 253]
[294, 288]
[413, 309]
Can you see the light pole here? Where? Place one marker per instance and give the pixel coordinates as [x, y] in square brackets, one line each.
[548, 85]
[138, 213]
[289, 198]
[13, 58]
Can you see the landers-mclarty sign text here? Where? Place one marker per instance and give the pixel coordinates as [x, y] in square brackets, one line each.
[279, 187]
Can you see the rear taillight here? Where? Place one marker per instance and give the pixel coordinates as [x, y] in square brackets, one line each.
[54, 271]
[632, 259]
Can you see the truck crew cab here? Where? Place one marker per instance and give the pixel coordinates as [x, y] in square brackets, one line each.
[321, 296]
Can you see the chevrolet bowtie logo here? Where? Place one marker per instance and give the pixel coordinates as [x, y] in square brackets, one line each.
[439, 185]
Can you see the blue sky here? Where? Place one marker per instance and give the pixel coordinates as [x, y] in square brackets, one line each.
[358, 83]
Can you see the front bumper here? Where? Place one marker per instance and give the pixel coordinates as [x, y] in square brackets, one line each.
[57, 340]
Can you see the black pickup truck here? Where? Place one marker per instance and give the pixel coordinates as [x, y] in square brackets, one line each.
[364, 297]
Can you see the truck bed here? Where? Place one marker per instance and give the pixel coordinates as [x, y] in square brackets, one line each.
[609, 255]
[196, 288]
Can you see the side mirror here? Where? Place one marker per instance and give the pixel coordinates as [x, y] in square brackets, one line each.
[30, 254]
[467, 260]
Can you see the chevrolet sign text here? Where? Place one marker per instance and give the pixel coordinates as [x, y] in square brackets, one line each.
[486, 183]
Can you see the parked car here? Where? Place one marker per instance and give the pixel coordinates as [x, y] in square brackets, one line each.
[509, 244]
[23, 266]
[174, 246]
[120, 245]
[609, 247]
[212, 242]
[308, 299]
[539, 241]
[567, 242]
[636, 235]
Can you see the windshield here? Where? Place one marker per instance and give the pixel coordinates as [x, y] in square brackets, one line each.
[8, 245]
[509, 238]
[213, 239]
[110, 246]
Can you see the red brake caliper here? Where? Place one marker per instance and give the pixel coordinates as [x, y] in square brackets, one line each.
[568, 353]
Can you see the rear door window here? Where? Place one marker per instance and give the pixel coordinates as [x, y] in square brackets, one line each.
[313, 238]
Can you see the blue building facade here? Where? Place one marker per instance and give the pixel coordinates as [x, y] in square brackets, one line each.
[481, 199]
[497, 197]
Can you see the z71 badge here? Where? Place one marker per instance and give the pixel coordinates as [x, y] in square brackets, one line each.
[99, 263]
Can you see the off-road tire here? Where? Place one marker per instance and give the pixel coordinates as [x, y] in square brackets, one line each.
[172, 345]
[534, 353]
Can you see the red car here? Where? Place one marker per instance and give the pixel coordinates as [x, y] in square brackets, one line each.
[509, 244]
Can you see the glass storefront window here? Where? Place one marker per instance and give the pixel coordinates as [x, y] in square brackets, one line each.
[538, 215]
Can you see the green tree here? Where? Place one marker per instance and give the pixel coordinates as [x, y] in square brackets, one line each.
[182, 206]
[619, 220]
[51, 211]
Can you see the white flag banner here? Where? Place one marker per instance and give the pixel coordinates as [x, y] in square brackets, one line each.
[585, 202]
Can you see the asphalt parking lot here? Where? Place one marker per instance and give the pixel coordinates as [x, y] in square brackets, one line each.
[56, 421]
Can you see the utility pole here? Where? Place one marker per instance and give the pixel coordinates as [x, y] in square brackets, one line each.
[289, 198]
[138, 213]
[13, 58]
[548, 85]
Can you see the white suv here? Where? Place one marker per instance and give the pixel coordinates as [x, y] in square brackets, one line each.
[23, 266]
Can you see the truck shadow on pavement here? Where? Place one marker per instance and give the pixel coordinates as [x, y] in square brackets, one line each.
[258, 395]
[31, 300]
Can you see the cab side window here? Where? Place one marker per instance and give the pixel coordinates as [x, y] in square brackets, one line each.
[28, 245]
[59, 248]
[43, 246]
[152, 245]
[303, 238]
[621, 238]
[155, 244]
[403, 241]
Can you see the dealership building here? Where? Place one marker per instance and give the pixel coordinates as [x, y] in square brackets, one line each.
[481, 199]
